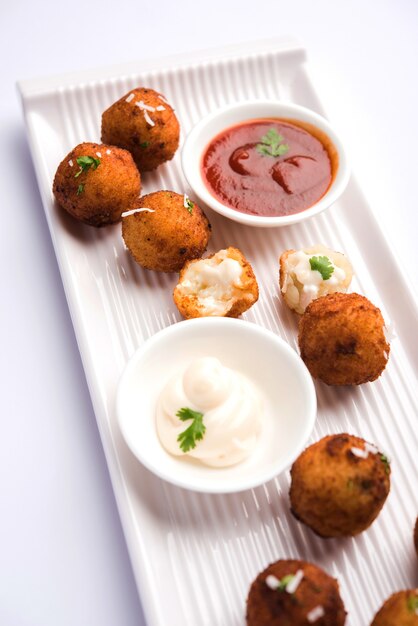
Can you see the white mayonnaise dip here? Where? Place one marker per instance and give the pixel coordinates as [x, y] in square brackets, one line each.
[231, 408]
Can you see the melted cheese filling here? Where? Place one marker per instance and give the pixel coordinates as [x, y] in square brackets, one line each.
[298, 266]
[214, 282]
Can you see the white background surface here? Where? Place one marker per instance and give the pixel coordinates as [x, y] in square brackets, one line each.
[63, 557]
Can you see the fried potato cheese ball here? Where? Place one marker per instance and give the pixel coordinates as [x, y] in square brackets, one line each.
[95, 183]
[144, 123]
[401, 609]
[310, 273]
[294, 593]
[339, 485]
[342, 339]
[224, 284]
[165, 230]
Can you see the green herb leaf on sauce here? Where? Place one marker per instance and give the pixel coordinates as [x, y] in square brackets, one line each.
[80, 189]
[187, 439]
[144, 144]
[412, 604]
[271, 144]
[386, 462]
[323, 265]
[85, 163]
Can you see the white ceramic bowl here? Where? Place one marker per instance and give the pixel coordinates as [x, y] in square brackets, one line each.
[201, 135]
[259, 354]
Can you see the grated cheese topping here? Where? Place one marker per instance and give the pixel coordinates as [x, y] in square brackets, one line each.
[148, 119]
[144, 107]
[362, 454]
[141, 210]
[294, 583]
[315, 614]
[272, 582]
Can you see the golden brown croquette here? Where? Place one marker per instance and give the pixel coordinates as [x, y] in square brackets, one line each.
[95, 183]
[339, 485]
[342, 339]
[168, 231]
[144, 123]
[294, 593]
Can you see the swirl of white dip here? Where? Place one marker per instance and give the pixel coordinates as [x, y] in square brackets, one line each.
[231, 408]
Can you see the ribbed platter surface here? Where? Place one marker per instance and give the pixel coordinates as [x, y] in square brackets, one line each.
[195, 555]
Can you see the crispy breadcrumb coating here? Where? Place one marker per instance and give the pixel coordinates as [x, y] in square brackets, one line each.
[144, 123]
[342, 339]
[168, 231]
[339, 485]
[99, 193]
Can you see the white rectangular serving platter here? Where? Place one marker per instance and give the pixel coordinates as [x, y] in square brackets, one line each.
[194, 556]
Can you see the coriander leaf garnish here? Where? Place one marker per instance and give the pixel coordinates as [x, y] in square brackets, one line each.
[271, 144]
[80, 189]
[85, 163]
[144, 144]
[386, 462]
[189, 205]
[323, 265]
[412, 604]
[284, 582]
[187, 439]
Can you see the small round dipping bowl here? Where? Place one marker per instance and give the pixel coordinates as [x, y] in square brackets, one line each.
[269, 362]
[208, 128]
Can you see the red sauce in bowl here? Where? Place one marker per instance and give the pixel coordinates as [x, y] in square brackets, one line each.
[247, 172]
